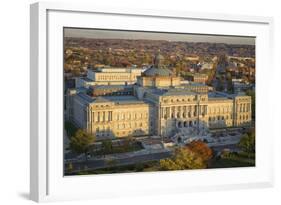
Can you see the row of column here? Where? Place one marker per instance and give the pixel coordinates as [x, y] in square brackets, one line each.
[183, 111]
[246, 107]
[99, 116]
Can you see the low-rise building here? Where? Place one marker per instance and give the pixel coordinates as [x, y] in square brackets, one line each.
[109, 76]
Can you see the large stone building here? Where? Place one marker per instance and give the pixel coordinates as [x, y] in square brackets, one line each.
[157, 104]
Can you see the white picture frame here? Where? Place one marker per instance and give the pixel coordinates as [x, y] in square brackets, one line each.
[47, 182]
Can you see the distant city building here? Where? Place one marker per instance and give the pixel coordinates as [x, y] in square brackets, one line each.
[192, 58]
[240, 58]
[198, 78]
[240, 86]
[207, 66]
[158, 104]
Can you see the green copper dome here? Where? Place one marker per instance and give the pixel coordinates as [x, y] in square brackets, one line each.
[152, 71]
[158, 69]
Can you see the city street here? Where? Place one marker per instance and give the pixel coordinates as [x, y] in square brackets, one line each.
[125, 159]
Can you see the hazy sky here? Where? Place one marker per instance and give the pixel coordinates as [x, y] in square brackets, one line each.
[115, 34]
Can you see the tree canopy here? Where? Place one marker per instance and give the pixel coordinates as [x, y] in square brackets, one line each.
[248, 143]
[201, 149]
[81, 141]
[183, 159]
[106, 146]
[70, 129]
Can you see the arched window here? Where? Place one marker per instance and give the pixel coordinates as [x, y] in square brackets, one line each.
[179, 124]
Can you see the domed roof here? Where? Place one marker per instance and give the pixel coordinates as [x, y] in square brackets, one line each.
[152, 71]
[158, 69]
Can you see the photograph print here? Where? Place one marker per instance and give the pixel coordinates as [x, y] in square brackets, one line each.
[138, 101]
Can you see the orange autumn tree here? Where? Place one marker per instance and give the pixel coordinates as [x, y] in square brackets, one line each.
[201, 149]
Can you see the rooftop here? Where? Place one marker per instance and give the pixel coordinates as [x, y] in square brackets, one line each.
[109, 69]
[110, 99]
[171, 92]
[111, 86]
[225, 95]
[153, 71]
[119, 99]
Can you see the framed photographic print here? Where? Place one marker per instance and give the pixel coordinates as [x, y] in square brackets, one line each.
[127, 102]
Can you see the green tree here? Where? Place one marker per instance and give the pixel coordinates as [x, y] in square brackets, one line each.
[248, 143]
[70, 129]
[139, 167]
[81, 142]
[127, 142]
[183, 159]
[106, 146]
[69, 167]
[220, 86]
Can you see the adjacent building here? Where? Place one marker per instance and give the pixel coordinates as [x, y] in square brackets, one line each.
[109, 76]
